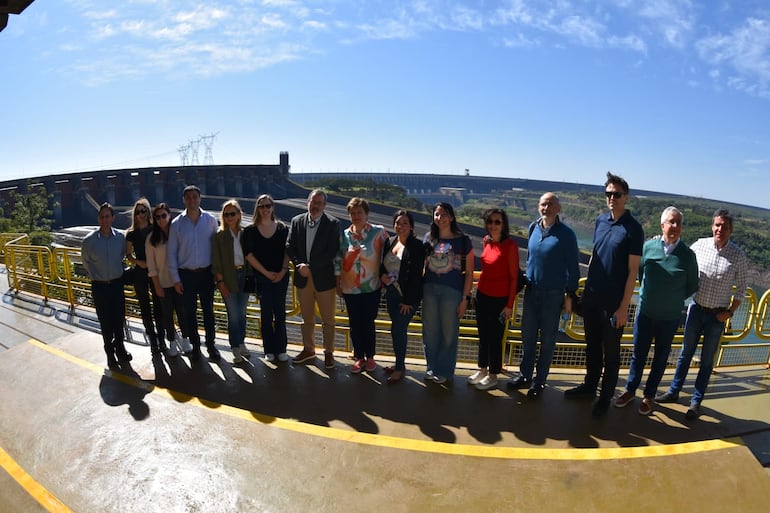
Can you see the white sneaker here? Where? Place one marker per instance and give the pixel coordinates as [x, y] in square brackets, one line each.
[488, 382]
[283, 357]
[477, 376]
[270, 357]
[429, 375]
[184, 344]
[244, 351]
[172, 350]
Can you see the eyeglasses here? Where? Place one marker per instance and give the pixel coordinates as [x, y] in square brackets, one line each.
[265, 205]
[614, 194]
[160, 216]
[496, 222]
[230, 214]
[140, 211]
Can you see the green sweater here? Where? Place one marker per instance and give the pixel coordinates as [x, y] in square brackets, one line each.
[667, 280]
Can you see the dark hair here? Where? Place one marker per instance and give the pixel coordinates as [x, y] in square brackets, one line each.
[107, 206]
[406, 214]
[191, 188]
[158, 235]
[453, 225]
[726, 215]
[616, 180]
[506, 227]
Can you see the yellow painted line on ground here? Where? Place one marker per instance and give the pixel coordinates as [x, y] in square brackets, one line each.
[32, 487]
[393, 442]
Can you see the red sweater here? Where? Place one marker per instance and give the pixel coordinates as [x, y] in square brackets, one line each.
[499, 269]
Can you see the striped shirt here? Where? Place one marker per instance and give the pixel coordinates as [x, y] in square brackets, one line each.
[719, 270]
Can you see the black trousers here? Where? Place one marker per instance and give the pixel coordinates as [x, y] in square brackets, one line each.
[110, 304]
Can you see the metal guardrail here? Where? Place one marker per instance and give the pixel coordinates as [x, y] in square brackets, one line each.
[58, 275]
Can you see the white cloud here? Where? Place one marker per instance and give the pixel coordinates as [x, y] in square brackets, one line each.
[745, 51]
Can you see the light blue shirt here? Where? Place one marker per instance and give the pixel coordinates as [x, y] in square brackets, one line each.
[103, 255]
[189, 244]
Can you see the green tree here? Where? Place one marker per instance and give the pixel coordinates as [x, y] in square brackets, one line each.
[29, 213]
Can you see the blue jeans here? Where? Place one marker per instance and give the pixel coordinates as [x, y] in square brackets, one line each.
[272, 306]
[440, 328]
[645, 330]
[362, 311]
[236, 304]
[698, 323]
[399, 324]
[542, 313]
[490, 329]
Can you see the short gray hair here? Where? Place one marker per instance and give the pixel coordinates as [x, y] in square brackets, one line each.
[671, 210]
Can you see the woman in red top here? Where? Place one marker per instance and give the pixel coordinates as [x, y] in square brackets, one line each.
[495, 295]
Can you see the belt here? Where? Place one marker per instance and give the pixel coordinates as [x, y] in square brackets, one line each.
[196, 270]
[712, 310]
[106, 282]
[238, 267]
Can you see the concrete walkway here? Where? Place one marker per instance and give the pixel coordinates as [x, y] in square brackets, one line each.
[165, 436]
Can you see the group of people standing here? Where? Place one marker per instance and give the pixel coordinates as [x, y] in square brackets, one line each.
[181, 262]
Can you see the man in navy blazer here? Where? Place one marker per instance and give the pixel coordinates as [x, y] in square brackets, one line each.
[312, 245]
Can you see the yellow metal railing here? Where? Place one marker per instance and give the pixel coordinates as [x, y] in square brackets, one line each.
[58, 275]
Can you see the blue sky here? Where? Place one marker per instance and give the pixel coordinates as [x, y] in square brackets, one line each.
[673, 95]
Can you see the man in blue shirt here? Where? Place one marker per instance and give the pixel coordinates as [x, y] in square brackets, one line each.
[102, 252]
[189, 261]
[552, 270]
[612, 271]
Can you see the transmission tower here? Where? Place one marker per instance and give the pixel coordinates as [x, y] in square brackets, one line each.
[184, 154]
[208, 145]
[194, 145]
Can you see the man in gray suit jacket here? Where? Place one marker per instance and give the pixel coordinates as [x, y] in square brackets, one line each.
[312, 245]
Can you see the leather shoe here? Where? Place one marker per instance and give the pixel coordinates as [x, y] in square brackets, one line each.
[601, 406]
[518, 382]
[582, 391]
[535, 390]
[125, 357]
[214, 355]
[693, 412]
[395, 376]
[666, 397]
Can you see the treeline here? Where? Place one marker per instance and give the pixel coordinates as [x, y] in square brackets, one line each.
[751, 225]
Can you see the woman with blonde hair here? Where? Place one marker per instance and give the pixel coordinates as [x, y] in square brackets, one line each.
[136, 237]
[264, 244]
[230, 270]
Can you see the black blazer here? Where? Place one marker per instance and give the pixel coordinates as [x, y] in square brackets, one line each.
[411, 270]
[326, 245]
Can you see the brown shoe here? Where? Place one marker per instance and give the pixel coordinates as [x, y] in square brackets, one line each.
[646, 407]
[329, 362]
[304, 356]
[395, 377]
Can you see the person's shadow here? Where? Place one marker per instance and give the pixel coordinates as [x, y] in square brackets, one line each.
[121, 387]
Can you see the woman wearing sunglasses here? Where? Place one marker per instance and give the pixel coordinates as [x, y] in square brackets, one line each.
[136, 237]
[264, 244]
[156, 250]
[496, 292]
[230, 269]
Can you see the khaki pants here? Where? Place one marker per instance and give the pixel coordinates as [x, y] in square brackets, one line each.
[326, 301]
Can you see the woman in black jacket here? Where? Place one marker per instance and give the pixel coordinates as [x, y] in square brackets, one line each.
[403, 260]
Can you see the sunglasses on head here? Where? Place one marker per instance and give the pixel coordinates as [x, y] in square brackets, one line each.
[230, 214]
[614, 194]
[160, 216]
[495, 222]
[265, 205]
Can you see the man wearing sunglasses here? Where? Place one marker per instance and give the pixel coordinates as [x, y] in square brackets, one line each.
[612, 271]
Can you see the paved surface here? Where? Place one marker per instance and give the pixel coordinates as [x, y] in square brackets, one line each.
[162, 436]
